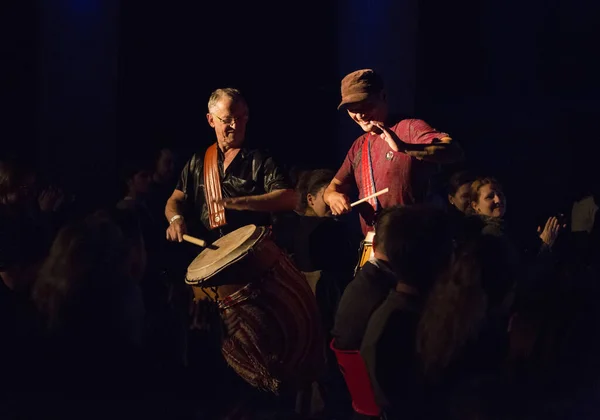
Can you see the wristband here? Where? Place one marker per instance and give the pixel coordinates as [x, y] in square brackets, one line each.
[172, 219]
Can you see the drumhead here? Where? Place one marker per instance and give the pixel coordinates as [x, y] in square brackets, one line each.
[229, 249]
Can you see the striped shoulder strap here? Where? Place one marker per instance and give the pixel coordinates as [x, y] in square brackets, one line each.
[368, 180]
[212, 188]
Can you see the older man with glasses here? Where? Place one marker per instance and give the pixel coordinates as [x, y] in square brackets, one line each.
[230, 185]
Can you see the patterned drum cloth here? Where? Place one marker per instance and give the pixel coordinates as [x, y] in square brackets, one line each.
[278, 343]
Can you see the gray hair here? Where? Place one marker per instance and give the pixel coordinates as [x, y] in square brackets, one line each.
[232, 93]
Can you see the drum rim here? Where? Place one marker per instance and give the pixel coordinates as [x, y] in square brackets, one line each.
[247, 246]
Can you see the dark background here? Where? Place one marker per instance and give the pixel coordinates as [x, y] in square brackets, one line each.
[87, 83]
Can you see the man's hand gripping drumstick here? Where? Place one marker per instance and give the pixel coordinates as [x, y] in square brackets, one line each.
[176, 229]
[339, 203]
[176, 232]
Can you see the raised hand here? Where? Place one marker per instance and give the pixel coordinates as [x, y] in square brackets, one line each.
[51, 199]
[390, 138]
[551, 231]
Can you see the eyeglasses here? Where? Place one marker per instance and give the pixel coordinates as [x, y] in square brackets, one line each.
[231, 120]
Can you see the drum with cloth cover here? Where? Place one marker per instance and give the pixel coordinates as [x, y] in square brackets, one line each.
[279, 341]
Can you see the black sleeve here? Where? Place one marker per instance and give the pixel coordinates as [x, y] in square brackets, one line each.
[275, 177]
[387, 350]
[360, 299]
[369, 350]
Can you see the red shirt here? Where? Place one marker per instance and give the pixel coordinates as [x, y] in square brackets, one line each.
[406, 177]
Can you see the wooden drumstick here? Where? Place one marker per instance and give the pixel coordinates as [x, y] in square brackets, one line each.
[362, 200]
[195, 241]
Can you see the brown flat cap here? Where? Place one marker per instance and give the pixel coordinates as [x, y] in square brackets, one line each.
[359, 85]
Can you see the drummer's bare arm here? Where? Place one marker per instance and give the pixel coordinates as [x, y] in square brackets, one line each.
[172, 206]
[442, 150]
[274, 201]
[176, 227]
[426, 143]
[336, 198]
[336, 186]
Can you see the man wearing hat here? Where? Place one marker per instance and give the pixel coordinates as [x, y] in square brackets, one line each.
[399, 155]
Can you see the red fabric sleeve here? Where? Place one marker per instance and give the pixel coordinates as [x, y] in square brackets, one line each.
[346, 172]
[418, 132]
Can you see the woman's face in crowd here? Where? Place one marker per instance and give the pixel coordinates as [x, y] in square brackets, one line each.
[491, 201]
[461, 199]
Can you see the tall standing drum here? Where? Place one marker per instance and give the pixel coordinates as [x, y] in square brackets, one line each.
[279, 342]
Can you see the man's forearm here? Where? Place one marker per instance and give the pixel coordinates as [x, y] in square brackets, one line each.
[171, 208]
[278, 200]
[444, 153]
[334, 187]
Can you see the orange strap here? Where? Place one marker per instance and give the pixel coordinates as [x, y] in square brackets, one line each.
[212, 188]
